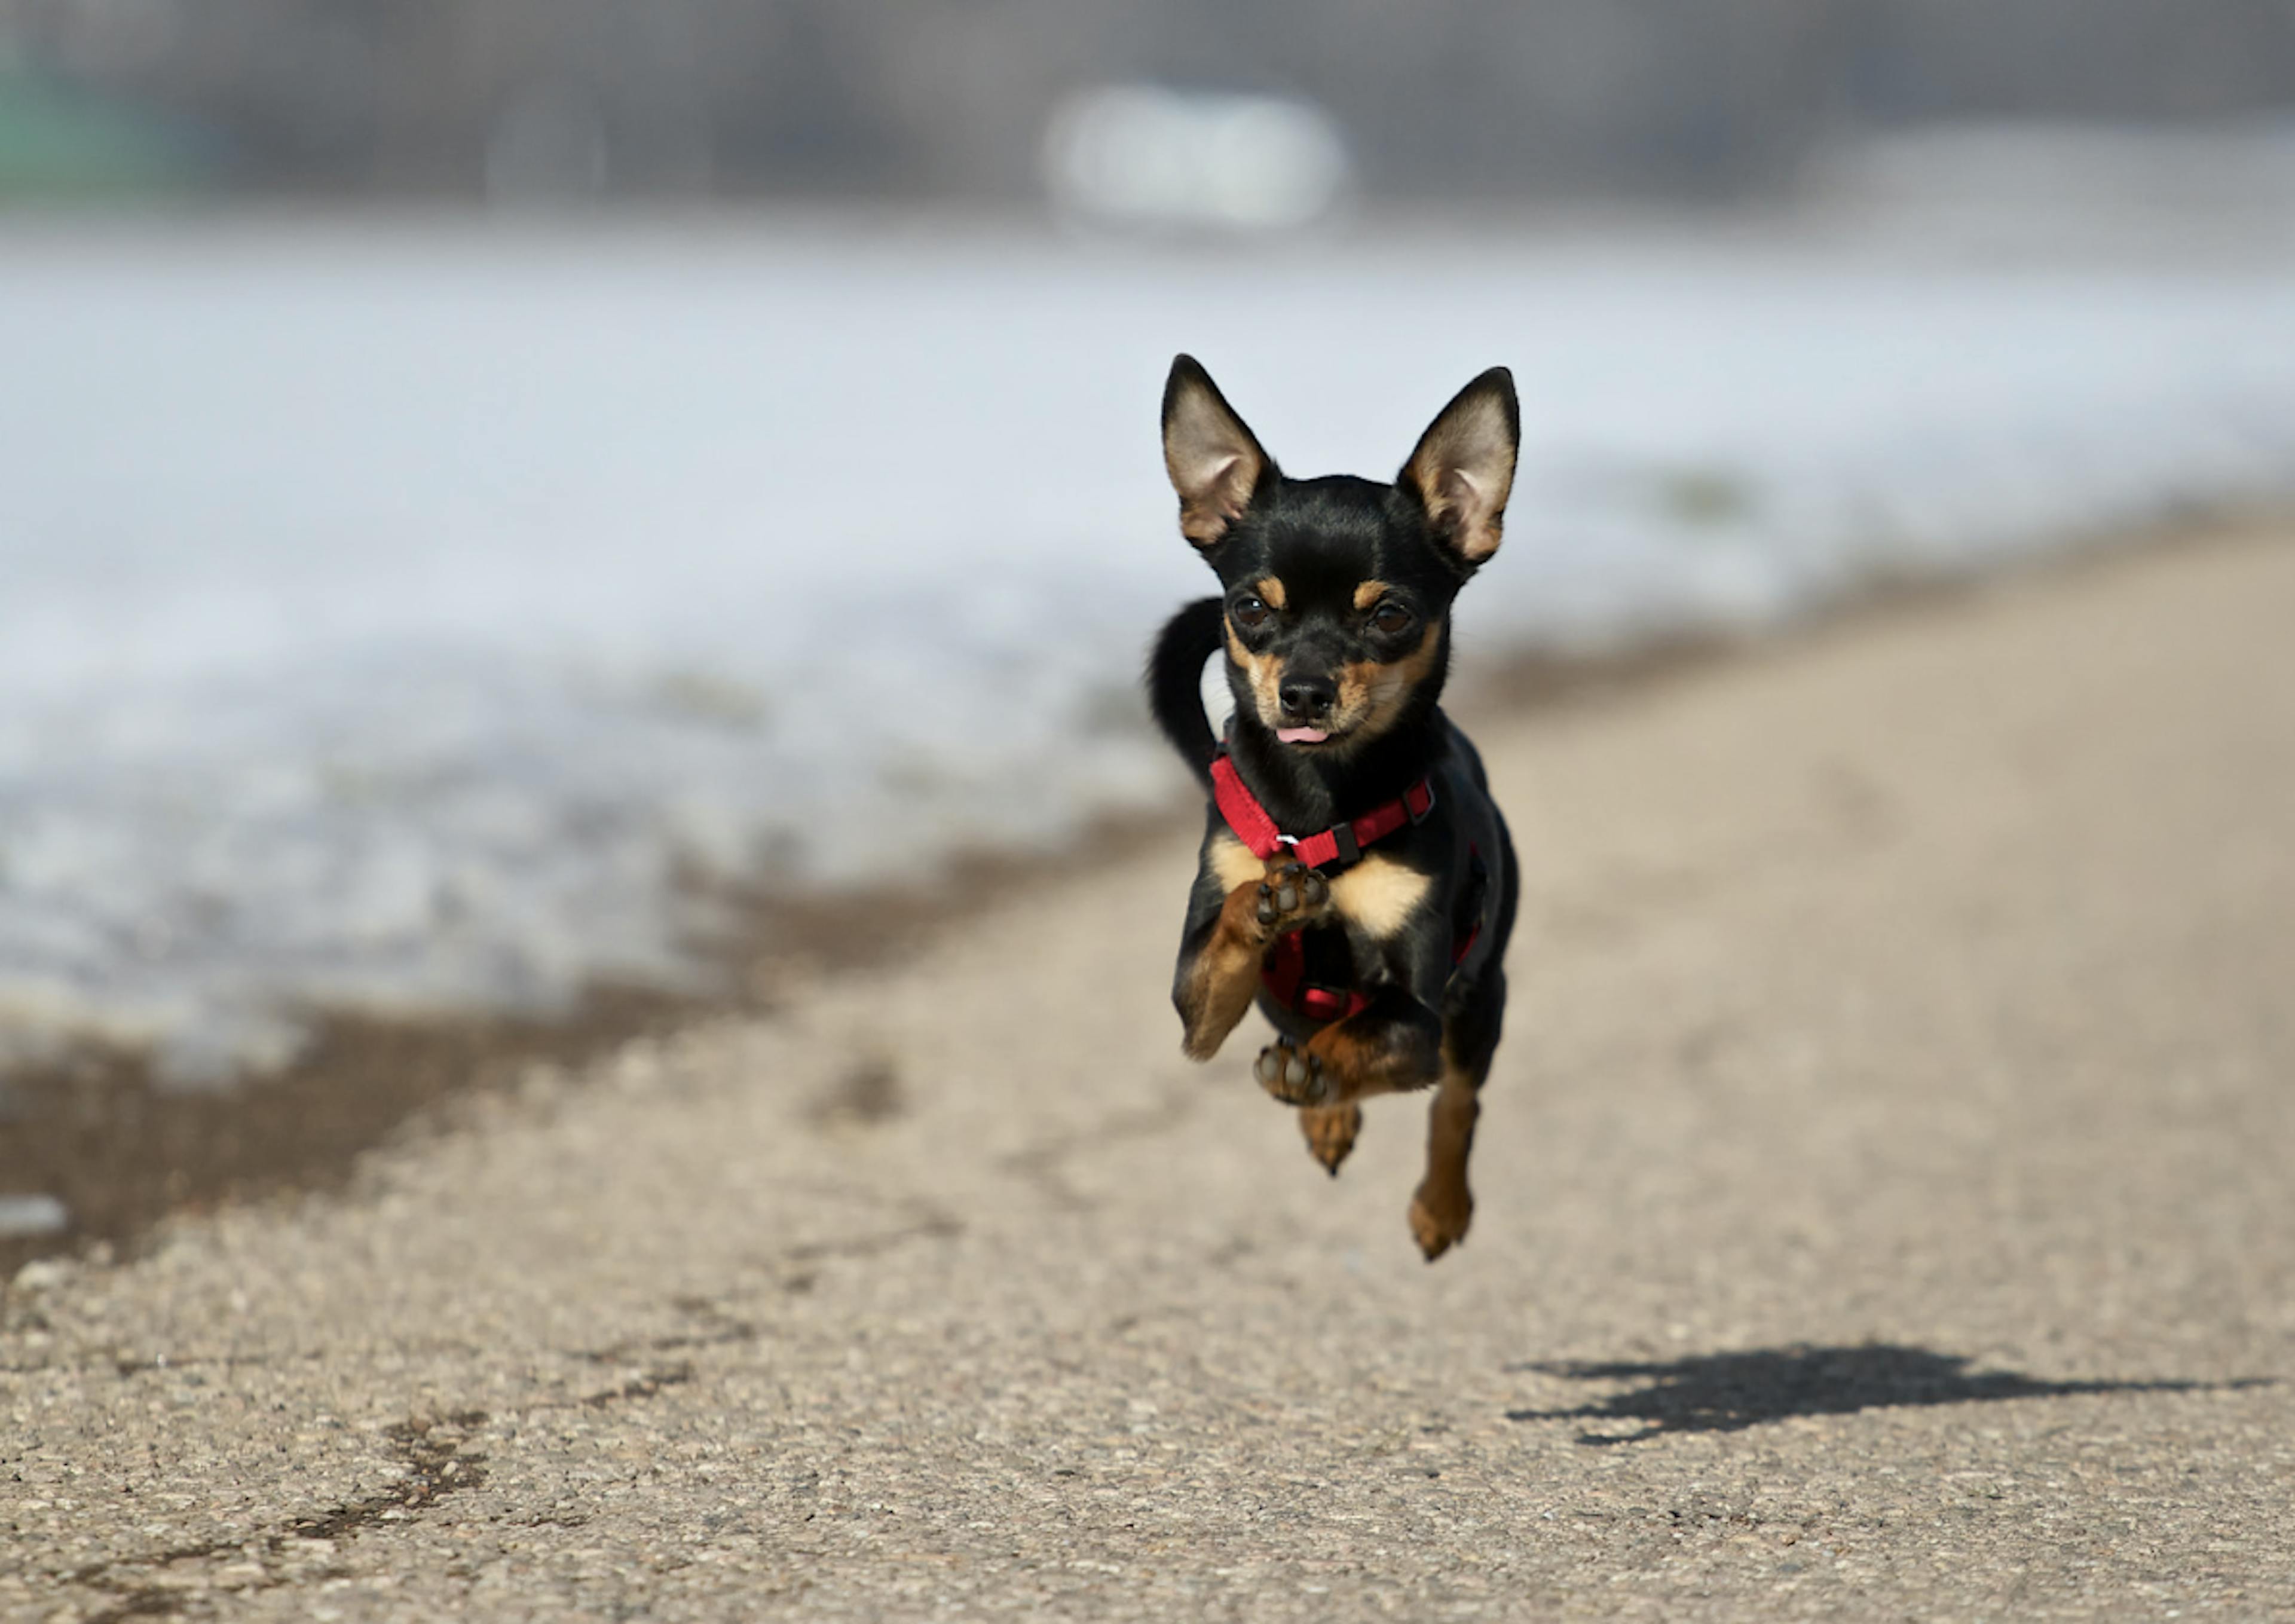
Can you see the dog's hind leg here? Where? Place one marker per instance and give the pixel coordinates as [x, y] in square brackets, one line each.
[1330, 1131]
[1443, 1206]
[1392, 1047]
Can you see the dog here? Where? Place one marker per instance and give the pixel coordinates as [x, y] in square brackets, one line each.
[1356, 879]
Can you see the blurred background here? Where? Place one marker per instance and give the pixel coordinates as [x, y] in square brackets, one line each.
[726, 100]
[483, 486]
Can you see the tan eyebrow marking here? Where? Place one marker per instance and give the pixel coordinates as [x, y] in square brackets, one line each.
[1370, 592]
[1269, 588]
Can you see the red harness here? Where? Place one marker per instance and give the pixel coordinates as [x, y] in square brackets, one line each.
[1284, 973]
[1341, 843]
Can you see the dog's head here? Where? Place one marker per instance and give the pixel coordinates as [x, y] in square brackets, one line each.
[1338, 589]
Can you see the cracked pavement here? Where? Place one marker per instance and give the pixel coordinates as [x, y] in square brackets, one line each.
[1884, 1212]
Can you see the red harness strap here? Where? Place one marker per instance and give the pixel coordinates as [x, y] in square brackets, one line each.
[1284, 978]
[1340, 842]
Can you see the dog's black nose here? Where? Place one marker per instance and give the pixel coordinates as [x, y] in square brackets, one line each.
[1308, 696]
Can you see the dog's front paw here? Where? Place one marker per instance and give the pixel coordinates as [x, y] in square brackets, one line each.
[1292, 897]
[1291, 1073]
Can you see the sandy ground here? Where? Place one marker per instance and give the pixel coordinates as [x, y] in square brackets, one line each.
[1885, 1211]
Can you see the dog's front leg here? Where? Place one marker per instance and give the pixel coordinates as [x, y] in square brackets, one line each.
[1226, 944]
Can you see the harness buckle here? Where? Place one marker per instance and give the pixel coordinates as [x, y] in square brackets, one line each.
[1342, 835]
[1419, 814]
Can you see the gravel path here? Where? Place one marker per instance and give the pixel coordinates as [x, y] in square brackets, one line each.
[1886, 1211]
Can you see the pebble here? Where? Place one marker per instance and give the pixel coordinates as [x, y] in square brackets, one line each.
[25, 1216]
[42, 1274]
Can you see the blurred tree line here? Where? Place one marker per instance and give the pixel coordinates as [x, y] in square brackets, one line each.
[924, 98]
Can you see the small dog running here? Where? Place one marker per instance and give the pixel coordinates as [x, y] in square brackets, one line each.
[1356, 878]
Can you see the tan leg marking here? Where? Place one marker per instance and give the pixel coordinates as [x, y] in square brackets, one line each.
[1223, 977]
[1330, 1131]
[1444, 1206]
[1350, 1063]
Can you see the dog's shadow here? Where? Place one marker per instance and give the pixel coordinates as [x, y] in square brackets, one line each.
[1727, 1393]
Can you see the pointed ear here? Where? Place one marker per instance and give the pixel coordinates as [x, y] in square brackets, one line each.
[1464, 466]
[1214, 462]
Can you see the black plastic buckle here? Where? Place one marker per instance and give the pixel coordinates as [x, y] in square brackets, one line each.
[1349, 848]
[1418, 817]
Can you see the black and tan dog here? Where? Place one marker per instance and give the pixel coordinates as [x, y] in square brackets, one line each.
[1356, 878]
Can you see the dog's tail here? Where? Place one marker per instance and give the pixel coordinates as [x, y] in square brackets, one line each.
[1175, 677]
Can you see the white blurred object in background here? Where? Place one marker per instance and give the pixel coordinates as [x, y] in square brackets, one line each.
[1147, 155]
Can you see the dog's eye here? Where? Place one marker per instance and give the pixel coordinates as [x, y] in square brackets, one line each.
[1248, 611]
[1390, 617]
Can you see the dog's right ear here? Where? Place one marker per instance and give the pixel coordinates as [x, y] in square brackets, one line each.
[1214, 462]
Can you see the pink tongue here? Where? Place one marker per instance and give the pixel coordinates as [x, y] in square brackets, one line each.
[1301, 736]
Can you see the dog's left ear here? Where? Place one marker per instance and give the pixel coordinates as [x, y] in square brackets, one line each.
[1464, 466]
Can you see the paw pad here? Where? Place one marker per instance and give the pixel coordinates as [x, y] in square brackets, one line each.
[1292, 1075]
[1291, 888]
